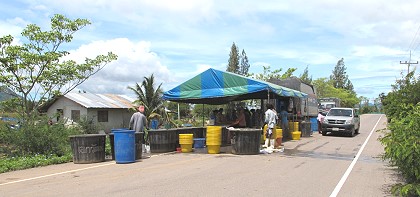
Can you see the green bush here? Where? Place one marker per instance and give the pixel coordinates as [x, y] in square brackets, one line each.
[402, 149]
[37, 137]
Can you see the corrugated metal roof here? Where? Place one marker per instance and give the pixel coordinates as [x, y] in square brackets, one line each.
[90, 100]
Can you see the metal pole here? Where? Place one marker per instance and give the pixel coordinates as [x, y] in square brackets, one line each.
[179, 115]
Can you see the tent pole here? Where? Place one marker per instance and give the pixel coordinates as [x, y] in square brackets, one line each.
[203, 114]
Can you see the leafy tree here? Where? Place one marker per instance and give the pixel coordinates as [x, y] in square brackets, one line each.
[340, 78]
[406, 91]
[37, 70]
[325, 88]
[233, 65]
[305, 76]
[148, 96]
[184, 108]
[364, 105]
[275, 74]
[243, 69]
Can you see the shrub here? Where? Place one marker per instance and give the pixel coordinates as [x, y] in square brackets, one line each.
[37, 137]
[402, 149]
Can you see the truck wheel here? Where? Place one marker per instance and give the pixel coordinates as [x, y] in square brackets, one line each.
[324, 133]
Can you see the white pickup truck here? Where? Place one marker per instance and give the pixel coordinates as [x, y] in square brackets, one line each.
[341, 120]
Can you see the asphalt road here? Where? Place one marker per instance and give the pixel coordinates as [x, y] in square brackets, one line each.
[313, 166]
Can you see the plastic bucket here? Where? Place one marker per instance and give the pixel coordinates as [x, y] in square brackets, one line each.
[295, 126]
[214, 135]
[125, 146]
[199, 142]
[296, 135]
[213, 149]
[279, 133]
[186, 142]
[186, 148]
[186, 139]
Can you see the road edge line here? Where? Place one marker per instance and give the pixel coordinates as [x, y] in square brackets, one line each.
[54, 174]
[353, 163]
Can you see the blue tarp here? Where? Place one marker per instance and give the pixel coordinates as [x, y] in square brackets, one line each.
[219, 87]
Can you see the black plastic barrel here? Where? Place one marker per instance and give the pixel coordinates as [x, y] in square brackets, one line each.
[226, 136]
[138, 141]
[162, 140]
[305, 128]
[246, 141]
[89, 148]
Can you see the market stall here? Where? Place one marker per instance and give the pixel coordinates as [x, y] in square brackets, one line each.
[220, 87]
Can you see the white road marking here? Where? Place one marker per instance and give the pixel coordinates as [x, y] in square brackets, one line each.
[350, 168]
[39, 177]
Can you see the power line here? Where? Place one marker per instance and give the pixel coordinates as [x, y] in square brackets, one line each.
[414, 39]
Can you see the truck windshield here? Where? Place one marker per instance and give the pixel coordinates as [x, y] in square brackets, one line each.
[329, 106]
[340, 112]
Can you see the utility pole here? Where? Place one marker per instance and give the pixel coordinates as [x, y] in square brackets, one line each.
[409, 63]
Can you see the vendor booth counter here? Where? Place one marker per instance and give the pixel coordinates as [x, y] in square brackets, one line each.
[167, 140]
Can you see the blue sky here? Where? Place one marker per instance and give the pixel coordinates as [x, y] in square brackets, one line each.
[176, 40]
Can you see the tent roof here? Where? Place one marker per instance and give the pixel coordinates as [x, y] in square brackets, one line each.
[220, 87]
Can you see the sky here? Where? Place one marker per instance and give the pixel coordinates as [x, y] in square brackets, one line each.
[176, 40]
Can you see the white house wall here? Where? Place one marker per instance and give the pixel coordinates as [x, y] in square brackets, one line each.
[66, 105]
[117, 118]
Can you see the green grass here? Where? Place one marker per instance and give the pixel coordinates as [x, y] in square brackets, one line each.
[20, 163]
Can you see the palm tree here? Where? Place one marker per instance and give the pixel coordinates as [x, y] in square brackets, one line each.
[149, 96]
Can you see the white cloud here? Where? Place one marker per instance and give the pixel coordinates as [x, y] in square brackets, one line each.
[184, 38]
[12, 26]
[135, 61]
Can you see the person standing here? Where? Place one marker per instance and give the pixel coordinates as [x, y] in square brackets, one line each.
[284, 121]
[220, 117]
[138, 120]
[320, 119]
[270, 119]
[240, 122]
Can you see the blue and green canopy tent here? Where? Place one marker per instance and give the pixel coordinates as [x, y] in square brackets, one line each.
[220, 87]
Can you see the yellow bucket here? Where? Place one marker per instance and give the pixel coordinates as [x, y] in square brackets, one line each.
[265, 132]
[213, 149]
[186, 148]
[296, 126]
[214, 135]
[291, 126]
[186, 139]
[296, 135]
[279, 133]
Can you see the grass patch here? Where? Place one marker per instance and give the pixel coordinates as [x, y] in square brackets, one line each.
[25, 162]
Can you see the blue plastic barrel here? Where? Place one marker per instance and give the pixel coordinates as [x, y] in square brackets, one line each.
[314, 124]
[125, 146]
